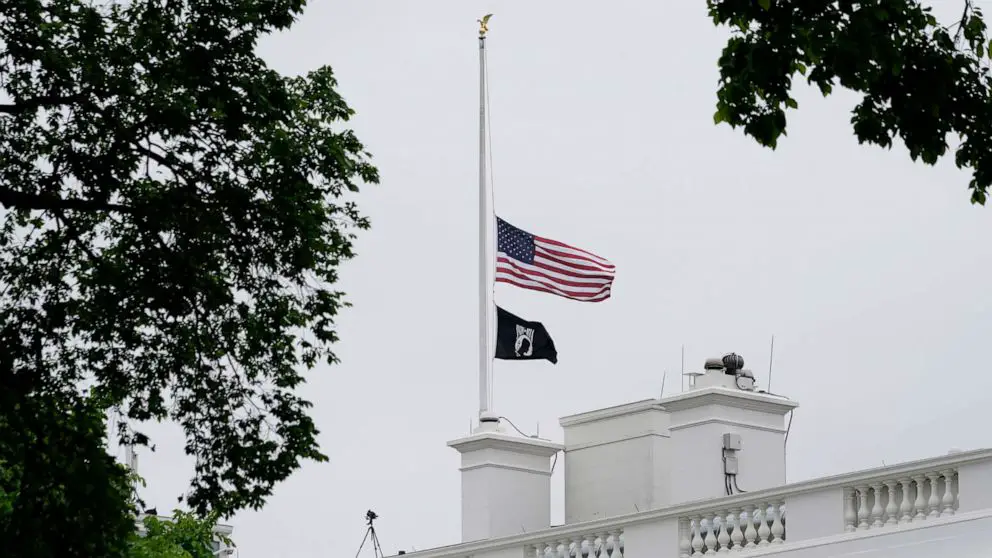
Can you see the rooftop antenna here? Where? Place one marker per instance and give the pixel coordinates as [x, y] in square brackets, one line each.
[370, 517]
[682, 371]
[663, 376]
[132, 459]
[771, 358]
[131, 455]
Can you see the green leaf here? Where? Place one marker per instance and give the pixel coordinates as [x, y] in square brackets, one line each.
[915, 80]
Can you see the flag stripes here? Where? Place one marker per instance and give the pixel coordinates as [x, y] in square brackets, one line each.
[542, 264]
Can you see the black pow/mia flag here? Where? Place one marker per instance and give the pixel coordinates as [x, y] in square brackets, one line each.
[518, 339]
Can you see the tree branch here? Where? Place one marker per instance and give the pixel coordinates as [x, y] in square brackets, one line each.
[37, 102]
[21, 200]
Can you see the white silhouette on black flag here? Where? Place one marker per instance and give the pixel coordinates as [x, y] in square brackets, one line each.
[518, 339]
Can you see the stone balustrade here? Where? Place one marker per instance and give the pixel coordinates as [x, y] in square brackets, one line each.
[896, 498]
[884, 502]
[732, 529]
[604, 544]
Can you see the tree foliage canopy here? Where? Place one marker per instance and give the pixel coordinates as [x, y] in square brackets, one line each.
[174, 215]
[183, 536]
[60, 493]
[919, 80]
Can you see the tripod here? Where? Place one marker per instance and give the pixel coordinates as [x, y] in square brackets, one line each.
[371, 516]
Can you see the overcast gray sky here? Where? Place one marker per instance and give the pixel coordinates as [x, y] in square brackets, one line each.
[871, 271]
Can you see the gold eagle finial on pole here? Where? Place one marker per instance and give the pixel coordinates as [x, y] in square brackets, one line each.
[484, 25]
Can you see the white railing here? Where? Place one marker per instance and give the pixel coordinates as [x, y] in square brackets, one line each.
[604, 544]
[893, 501]
[893, 497]
[732, 529]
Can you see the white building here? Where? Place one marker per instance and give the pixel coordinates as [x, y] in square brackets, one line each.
[663, 478]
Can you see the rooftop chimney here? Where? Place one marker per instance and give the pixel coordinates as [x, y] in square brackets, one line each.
[725, 426]
[658, 452]
[506, 482]
[617, 461]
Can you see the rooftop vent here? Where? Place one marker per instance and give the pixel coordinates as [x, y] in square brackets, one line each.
[713, 364]
[732, 363]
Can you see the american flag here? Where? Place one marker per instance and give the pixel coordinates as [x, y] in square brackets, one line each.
[549, 266]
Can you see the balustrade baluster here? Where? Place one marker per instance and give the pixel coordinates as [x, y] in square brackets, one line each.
[850, 517]
[737, 536]
[723, 539]
[955, 482]
[750, 533]
[685, 537]
[617, 544]
[933, 505]
[764, 531]
[577, 550]
[604, 550]
[863, 509]
[876, 508]
[697, 539]
[947, 502]
[778, 527]
[710, 539]
[891, 509]
[920, 505]
[906, 505]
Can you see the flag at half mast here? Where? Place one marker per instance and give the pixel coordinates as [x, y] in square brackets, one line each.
[541, 264]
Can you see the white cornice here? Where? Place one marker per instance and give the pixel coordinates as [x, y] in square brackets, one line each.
[495, 465]
[611, 412]
[731, 397]
[587, 445]
[505, 442]
[716, 420]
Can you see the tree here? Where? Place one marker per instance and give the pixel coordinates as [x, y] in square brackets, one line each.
[175, 213]
[185, 536]
[919, 80]
[60, 493]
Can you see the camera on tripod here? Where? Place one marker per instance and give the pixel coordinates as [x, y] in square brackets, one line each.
[371, 516]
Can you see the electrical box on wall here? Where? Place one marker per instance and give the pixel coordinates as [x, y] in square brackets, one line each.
[732, 442]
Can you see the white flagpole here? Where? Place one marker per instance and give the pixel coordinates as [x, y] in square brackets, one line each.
[483, 237]
[485, 243]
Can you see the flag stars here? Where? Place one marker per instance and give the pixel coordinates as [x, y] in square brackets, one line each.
[514, 242]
